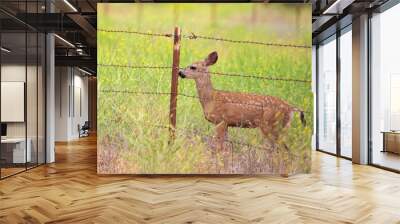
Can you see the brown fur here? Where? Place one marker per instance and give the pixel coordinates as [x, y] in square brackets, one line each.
[245, 110]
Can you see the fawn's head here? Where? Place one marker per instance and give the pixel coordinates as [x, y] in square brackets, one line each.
[199, 69]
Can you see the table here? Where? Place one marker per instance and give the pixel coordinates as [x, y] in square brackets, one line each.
[13, 150]
[391, 141]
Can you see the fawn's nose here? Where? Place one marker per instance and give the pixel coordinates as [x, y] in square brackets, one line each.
[181, 73]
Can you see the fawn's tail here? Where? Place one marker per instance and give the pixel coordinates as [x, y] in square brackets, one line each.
[302, 117]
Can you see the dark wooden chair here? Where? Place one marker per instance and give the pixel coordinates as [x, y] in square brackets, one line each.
[84, 129]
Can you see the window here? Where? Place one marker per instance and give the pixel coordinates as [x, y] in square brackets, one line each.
[327, 95]
[385, 89]
[346, 92]
[22, 77]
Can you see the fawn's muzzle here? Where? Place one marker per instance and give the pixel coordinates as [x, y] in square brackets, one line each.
[181, 74]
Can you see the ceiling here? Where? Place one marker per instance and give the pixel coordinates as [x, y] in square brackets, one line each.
[331, 15]
[75, 21]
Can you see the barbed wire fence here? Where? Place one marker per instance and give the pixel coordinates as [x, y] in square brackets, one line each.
[251, 76]
[193, 97]
[193, 36]
[249, 148]
[176, 36]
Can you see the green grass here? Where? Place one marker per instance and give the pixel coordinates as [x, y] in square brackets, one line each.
[128, 123]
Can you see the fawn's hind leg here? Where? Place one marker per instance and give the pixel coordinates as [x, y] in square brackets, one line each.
[269, 133]
[219, 138]
[220, 134]
[287, 120]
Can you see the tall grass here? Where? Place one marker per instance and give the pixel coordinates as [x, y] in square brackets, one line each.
[129, 124]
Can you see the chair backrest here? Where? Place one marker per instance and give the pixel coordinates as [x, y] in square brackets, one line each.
[86, 124]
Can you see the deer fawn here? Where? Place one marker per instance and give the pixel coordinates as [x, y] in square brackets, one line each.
[231, 109]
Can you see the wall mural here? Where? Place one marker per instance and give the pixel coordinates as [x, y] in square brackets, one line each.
[204, 89]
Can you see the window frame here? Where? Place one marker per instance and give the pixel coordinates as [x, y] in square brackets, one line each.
[337, 35]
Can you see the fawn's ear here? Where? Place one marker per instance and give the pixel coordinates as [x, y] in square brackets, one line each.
[212, 58]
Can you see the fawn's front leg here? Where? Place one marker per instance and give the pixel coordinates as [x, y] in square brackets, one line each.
[220, 133]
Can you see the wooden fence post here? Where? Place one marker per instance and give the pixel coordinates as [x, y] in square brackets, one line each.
[174, 82]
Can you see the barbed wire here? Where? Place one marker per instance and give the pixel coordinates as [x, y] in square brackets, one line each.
[233, 142]
[215, 73]
[136, 66]
[135, 92]
[195, 97]
[208, 136]
[193, 36]
[183, 132]
[136, 32]
[261, 77]
[178, 94]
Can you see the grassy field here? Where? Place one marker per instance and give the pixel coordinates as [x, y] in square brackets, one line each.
[130, 139]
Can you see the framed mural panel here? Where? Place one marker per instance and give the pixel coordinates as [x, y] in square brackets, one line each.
[204, 88]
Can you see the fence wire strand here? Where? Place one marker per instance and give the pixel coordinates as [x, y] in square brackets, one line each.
[260, 77]
[270, 78]
[136, 66]
[180, 131]
[193, 97]
[193, 36]
[136, 32]
[178, 94]
[184, 133]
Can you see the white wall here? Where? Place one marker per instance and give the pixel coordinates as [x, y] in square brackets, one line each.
[12, 73]
[79, 103]
[33, 127]
[62, 82]
[70, 83]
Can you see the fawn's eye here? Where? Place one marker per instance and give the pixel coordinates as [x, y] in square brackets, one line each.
[192, 67]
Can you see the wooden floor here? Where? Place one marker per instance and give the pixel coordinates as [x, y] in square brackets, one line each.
[70, 191]
[5, 172]
[386, 159]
